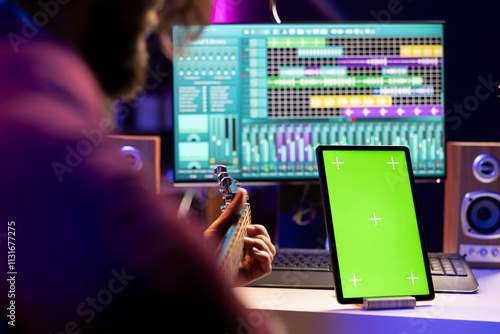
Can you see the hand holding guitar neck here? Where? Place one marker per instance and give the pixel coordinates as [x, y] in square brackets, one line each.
[231, 254]
[247, 250]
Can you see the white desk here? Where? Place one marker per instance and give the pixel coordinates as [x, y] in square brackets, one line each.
[317, 311]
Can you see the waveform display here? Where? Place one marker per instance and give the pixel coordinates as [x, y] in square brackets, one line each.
[339, 101]
[394, 71]
[302, 78]
[312, 71]
[378, 61]
[288, 148]
[357, 81]
[421, 50]
[326, 52]
[298, 42]
[426, 90]
[394, 111]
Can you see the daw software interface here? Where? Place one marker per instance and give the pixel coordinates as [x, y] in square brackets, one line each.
[259, 98]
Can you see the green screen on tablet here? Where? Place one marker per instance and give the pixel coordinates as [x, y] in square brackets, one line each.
[373, 224]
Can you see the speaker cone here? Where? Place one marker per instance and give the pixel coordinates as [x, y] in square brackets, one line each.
[483, 215]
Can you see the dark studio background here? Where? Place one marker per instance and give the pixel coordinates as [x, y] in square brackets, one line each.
[472, 108]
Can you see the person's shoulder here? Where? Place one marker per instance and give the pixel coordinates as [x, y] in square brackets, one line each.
[48, 81]
[43, 62]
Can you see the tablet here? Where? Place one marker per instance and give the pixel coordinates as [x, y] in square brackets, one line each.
[373, 224]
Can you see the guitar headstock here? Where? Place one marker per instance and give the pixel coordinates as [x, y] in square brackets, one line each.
[227, 185]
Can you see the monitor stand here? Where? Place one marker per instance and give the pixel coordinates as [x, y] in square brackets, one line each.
[301, 220]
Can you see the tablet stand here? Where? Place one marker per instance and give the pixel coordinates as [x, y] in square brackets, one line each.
[389, 303]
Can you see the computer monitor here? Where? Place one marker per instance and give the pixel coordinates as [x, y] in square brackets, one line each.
[259, 98]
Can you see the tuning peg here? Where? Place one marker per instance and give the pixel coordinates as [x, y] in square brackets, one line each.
[226, 181]
[219, 169]
[222, 175]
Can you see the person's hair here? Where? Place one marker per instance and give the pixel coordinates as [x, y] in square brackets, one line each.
[189, 13]
[192, 13]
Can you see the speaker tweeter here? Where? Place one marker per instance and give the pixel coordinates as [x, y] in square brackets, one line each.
[142, 154]
[486, 168]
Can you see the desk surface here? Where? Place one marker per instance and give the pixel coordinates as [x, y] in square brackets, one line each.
[317, 311]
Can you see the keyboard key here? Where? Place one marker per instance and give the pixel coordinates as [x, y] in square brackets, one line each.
[442, 265]
[438, 272]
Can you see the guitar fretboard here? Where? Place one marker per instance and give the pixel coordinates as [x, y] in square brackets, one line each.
[231, 255]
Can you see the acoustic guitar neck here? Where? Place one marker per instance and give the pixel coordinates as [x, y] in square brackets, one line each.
[232, 250]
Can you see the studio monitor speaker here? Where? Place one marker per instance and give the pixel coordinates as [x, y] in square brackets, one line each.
[472, 202]
[142, 153]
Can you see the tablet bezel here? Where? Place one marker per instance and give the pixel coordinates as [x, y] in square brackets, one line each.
[329, 223]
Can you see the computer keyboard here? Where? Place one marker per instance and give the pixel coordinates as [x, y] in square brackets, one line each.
[447, 265]
[300, 260]
[307, 268]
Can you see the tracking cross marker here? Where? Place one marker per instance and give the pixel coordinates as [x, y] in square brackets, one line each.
[413, 278]
[393, 163]
[355, 280]
[375, 218]
[337, 162]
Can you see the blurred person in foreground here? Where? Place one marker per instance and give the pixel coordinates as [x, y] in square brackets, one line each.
[94, 252]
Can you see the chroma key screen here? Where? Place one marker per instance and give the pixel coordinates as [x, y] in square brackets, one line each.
[259, 98]
[375, 223]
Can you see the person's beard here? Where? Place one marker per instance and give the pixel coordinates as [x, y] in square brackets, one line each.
[116, 47]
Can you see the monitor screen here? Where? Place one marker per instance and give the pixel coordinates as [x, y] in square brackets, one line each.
[259, 98]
